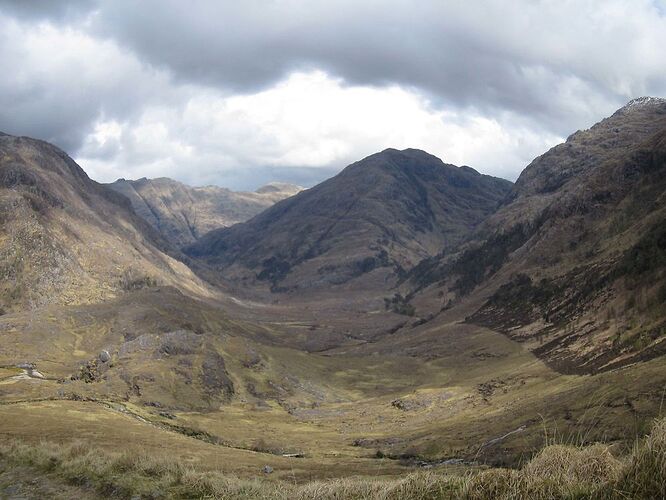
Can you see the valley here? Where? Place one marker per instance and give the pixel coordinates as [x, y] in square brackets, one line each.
[406, 315]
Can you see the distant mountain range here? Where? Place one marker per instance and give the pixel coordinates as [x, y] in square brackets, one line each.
[182, 213]
[579, 238]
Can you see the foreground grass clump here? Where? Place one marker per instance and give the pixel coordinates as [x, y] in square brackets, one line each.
[645, 475]
[558, 471]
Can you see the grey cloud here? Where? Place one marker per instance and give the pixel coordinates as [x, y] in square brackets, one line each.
[53, 10]
[493, 56]
[56, 83]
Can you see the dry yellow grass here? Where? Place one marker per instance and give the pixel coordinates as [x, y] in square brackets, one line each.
[558, 471]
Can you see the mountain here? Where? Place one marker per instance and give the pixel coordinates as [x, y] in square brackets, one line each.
[574, 262]
[182, 214]
[65, 239]
[377, 218]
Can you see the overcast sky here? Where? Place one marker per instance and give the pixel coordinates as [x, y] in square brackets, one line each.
[239, 93]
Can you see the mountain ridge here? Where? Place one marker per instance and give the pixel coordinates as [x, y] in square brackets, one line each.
[183, 213]
[565, 276]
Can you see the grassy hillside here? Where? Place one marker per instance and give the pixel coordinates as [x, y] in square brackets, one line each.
[186, 372]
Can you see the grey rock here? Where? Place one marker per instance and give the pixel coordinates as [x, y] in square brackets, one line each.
[179, 342]
[267, 469]
[145, 342]
[13, 489]
[104, 356]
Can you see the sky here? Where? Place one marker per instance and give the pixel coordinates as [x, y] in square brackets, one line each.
[239, 94]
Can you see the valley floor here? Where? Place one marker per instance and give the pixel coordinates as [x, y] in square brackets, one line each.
[446, 398]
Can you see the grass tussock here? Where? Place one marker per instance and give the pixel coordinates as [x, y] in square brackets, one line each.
[558, 471]
[645, 474]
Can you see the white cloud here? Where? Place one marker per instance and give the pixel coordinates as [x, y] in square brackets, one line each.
[307, 120]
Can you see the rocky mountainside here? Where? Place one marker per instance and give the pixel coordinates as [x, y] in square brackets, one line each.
[182, 214]
[576, 256]
[376, 219]
[66, 239]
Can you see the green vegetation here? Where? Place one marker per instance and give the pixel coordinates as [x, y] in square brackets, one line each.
[273, 270]
[522, 300]
[473, 265]
[381, 259]
[132, 279]
[647, 255]
[399, 305]
[558, 471]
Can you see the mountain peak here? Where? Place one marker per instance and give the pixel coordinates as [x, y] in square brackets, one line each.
[408, 152]
[396, 160]
[183, 213]
[362, 227]
[643, 104]
[645, 101]
[279, 187]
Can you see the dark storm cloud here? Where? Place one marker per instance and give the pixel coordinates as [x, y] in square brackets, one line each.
[523, 57]
[39, 10]
[246, 46]
[57, 81]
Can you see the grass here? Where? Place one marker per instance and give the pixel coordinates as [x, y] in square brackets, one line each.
[558, 471]
[645, 475]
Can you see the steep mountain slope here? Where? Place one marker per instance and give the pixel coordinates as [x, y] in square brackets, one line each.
[182, 213]
[579, 249]
[66, 239]
[377, 218]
